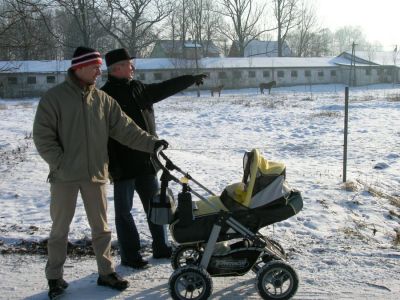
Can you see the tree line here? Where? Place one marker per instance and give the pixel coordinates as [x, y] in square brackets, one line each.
[52, 29]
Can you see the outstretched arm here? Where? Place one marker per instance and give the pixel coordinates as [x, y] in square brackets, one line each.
[156, 92]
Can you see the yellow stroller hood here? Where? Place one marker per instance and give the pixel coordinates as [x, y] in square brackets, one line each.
[263, 181]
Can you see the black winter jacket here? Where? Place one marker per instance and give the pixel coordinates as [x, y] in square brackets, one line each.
[136, 100]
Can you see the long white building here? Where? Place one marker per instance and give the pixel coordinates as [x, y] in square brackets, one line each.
[32, 78]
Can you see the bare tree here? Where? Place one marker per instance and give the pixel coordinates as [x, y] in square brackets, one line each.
[321, 43]
[82, 15]
[301, 39]
[23, 31]
[244, 17]
[345, 36]
[133, 23]
[286, 16]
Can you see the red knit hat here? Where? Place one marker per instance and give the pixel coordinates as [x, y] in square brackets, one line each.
[84, 56]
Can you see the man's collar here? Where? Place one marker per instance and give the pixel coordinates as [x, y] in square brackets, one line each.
[117, 80]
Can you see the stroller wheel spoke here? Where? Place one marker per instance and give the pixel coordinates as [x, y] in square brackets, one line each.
[277, 280]
[190, 282]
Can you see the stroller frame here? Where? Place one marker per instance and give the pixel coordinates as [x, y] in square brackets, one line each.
[275, 271]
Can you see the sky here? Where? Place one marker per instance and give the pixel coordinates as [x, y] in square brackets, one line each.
[379, 20]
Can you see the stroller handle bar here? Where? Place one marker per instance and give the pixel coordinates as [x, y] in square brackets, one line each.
[170, 166]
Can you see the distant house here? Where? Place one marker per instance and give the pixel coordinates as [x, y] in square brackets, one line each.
[187, 50]
[260, 48]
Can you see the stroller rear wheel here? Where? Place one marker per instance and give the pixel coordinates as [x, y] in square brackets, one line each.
[185, 256]
[190, 282]
[277, 280]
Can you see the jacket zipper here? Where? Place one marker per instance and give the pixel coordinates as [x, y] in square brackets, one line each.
[86, 134]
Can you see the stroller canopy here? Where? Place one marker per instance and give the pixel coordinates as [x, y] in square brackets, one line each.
[263, 181]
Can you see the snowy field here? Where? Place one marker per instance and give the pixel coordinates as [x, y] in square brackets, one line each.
[344, 244]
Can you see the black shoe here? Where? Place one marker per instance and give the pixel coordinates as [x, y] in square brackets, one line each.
[164, 253]
[56, 287]
[136, 264]
[113, 281]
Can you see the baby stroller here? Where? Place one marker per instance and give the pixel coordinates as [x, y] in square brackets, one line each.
[218, 235]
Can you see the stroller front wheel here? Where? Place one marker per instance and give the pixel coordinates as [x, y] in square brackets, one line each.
[277, 280]
[185, 256]
[190, 282]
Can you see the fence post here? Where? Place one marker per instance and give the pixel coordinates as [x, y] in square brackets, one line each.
[346, 122]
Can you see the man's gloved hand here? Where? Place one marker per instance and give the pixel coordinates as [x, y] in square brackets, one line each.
[198, 79]
[163, 144]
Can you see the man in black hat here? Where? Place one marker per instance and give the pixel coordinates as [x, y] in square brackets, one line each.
[132, 170]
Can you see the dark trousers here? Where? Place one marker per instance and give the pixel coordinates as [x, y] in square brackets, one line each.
[128, 237]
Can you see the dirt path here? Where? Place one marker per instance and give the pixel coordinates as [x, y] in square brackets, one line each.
[22, 278]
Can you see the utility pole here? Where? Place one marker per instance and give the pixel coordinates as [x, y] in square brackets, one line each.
[395, 72]
[352, 79]
[346, 126]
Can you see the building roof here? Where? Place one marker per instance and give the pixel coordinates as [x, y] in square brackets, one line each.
[53, 66]
[384, 58]
[170, 46]
[260, 48]
[266, 48]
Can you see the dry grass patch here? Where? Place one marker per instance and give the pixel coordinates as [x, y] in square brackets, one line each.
[352, 233]
[396, 239]
[326, 114]
[365, 98]
[351, 186]
[393, 200]
[393, 97]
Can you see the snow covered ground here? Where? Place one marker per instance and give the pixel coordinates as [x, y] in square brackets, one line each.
[344, 244]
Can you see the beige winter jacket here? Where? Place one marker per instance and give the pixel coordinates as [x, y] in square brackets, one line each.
[71, 130]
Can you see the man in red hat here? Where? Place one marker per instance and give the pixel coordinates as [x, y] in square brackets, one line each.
[71, 129]
[132, 170]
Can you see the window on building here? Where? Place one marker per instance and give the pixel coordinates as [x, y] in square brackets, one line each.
[141, 76]
[237, 74]
[252, 74]
[307, 73]
[333, 73]
[221, 75]
[31, 80]
[379, 72]
[157, 76]
[266, 74]
[281, 74]
[293, 73]
[51, 79]
[12, 80]
[320, 73]
[368, 72]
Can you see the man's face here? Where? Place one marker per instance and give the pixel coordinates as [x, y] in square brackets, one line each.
[124, 69]
[89, 73]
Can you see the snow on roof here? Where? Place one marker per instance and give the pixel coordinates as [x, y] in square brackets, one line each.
[265, 48]
[192, 45]
[34, 66]
[384, 58]
[267, 62]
